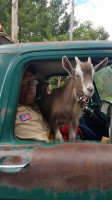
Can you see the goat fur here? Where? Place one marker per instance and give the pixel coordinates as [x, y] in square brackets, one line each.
[62, 106]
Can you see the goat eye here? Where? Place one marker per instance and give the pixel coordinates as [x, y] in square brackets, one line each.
[77, 76]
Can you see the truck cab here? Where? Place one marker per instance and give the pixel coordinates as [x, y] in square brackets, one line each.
[55, 170]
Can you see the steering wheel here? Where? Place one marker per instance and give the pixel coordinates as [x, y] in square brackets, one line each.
[90, 112]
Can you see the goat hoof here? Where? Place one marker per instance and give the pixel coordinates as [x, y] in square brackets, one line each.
[72, 138]
[60, 139]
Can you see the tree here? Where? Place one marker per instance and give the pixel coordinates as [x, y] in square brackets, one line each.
[5, 15]
[43, 3]
[58, 15]
[35, 26]
[101, 33]
[64, 25]
[40, 21]
[86, 31]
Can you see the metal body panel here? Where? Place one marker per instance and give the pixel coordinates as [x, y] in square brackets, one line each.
[73, 169]
[23, 48]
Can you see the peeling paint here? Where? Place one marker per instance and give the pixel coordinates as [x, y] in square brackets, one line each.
[45, 43]
[66, 167]
[3, 114]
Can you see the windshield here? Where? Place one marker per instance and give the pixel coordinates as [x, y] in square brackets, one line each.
[103, 80]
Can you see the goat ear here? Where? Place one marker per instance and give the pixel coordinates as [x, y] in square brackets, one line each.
[89, 60]
[77, 60]
[101, 65]
[67, 65]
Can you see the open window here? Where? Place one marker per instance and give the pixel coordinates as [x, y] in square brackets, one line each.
[52, 71]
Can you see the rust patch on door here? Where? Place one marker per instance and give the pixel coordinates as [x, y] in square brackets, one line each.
[65, 167]
[3, 112]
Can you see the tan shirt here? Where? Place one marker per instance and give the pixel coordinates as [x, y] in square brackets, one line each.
[29, 124]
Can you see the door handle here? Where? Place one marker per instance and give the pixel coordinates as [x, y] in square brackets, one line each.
[14, 168]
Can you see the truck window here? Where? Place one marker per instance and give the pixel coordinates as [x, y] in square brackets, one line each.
[103, 80]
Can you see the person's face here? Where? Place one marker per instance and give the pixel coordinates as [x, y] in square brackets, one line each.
[28, 88]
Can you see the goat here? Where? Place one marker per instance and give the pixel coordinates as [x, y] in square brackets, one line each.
[62, 106]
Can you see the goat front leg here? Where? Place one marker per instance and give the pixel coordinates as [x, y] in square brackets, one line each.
[58, 136]
[72, 132]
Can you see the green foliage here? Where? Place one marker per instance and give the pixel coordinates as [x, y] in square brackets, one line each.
[59, 19]
[101, 33]
[103, 80]
[57, 81]
[86, 31]
[64, 25]
[40, 21]
[5, 15]
[35, 26]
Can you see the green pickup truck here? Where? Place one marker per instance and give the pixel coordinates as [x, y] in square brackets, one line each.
[55, 170]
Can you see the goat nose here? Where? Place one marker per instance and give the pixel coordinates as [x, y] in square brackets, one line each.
[90, 89]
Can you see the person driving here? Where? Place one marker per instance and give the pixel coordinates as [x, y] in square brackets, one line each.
[29, 122]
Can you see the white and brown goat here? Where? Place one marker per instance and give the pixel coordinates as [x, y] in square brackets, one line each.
[62, 106]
